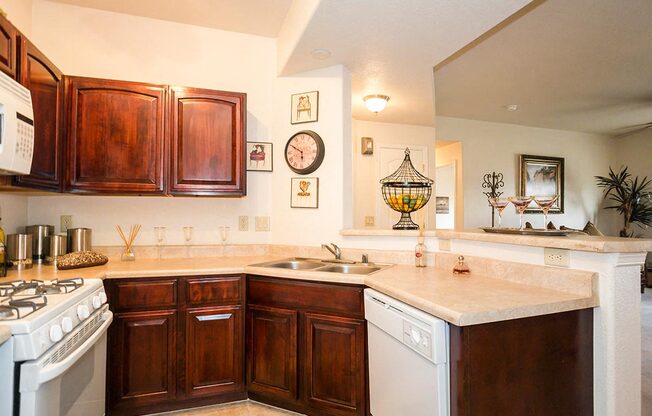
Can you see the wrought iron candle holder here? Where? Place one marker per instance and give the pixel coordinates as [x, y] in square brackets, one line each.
[406, 191]
[492, 181]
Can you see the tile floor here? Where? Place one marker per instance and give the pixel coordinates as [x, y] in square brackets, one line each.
[243, 408]
[646, 338]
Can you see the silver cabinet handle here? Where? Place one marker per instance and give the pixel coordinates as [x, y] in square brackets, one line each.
[217, 317]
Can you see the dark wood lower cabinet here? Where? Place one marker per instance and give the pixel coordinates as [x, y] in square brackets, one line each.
[306, 346]
[539, 366]
[143, 359]
[334, 364]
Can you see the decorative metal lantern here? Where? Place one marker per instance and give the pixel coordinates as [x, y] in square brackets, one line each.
[406, 191]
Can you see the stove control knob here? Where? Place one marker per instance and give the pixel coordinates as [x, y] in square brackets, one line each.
[56, 333]
[103, 298]
[66, 324]
[96, 301]
[82, 312]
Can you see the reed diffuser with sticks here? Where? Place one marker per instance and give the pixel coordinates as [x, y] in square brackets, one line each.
[128, 254]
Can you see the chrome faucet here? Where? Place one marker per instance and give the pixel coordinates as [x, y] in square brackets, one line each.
[335, 251]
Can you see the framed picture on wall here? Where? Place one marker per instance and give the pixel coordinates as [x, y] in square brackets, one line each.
[442, 205]
[305, 107]
[542, 176]
[260, 156]
[304, 193]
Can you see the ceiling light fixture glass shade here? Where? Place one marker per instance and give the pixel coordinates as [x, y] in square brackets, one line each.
[376, 102]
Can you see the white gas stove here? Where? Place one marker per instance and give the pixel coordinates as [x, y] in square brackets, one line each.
[55, 325]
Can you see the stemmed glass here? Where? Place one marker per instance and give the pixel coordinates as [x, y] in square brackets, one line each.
[187, 235]
[224, 233]
[160, 236]
[499, 204]
[545, 202]
[521, 203]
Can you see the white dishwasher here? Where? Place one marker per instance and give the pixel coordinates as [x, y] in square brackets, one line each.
[408, 359]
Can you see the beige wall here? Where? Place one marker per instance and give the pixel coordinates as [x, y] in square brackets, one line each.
[365, 186]
[103, 44]
[491, 147]
[635, 152]
[19, 12]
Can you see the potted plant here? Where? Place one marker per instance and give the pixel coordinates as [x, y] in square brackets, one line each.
[631, 197]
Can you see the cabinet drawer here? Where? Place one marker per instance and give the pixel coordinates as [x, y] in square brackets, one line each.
[145, 294]
[300, 294]
[213, 290]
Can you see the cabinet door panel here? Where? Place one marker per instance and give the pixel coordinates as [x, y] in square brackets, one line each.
[334, 364]
[207, 140]
[8, 48]
[214, 348]
[45, 82]
[272, 352]
[142, 358]
[115, 138]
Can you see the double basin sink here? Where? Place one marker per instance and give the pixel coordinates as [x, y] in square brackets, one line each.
[329, 266]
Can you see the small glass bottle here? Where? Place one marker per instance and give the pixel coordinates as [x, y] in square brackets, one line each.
[420, 253]
[3, 252]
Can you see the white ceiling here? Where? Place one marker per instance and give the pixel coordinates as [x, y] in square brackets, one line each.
[582, 65]
[257, 17]
[391, 46]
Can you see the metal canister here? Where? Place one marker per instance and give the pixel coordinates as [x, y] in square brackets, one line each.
[19, 251]
[79, 239]
[57, 244]
[40, 248]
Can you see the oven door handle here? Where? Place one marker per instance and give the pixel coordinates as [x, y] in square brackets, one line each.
[33, 374]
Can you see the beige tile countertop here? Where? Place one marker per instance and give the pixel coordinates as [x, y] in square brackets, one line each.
[460, 300]
[474, 298]
[5, 334]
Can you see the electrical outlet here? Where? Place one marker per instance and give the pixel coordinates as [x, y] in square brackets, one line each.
[65, 223]
[262, 223]
[556, 257]
[243, 223]
[369, 221]
[445, 245]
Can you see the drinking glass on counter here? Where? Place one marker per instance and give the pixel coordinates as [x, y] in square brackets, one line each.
[545, 202]
[499, 204]
[224, 233]
[187, 235]
[521, 203]
[160, 236]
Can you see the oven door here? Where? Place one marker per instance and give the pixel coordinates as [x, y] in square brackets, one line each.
[69, 379]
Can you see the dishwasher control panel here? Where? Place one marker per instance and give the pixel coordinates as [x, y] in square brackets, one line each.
[417, 338]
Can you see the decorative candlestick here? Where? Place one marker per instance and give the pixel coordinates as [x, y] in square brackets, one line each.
[492, 181]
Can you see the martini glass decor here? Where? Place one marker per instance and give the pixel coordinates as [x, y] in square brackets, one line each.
[545, 202]
[521, 203]
[499, 204]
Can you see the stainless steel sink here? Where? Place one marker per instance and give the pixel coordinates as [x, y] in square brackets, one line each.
[350, 268]
[329, 266]
[295, 263]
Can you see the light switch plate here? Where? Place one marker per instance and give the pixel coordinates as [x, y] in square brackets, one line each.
[65, 223]
[243, 223]
[556, 257]
[369, 220]
[262, 223]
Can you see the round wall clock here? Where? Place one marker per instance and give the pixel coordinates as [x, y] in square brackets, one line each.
[304, 152]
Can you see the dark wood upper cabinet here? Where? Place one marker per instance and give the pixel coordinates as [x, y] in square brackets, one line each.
[214, 351]
[116, 133]
[8, 47]
[207, 142]
[45, 82]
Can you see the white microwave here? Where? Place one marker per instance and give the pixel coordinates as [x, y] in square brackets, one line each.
[16, 127]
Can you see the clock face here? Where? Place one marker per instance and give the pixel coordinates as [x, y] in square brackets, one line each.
[304, 152]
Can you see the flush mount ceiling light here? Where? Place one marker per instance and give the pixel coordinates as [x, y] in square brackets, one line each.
[511, 107]
[376, 102]
[320, 54]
